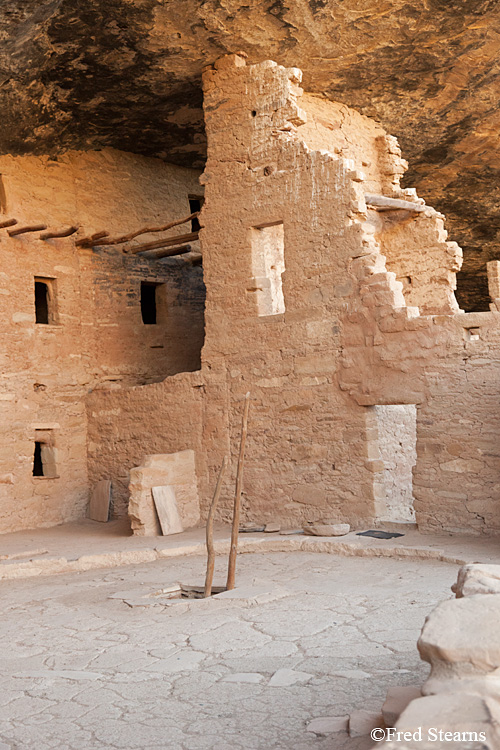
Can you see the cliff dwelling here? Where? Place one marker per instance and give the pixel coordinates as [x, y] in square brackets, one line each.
[236, 316]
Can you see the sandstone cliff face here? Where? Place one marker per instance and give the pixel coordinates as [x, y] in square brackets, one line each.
[126, 73]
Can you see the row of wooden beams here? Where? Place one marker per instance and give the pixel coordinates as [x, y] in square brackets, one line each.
[90, 241]
[170, 252]
[181, 239]
[176, 245]
[62, 233]
[35, 228]
[24, 230]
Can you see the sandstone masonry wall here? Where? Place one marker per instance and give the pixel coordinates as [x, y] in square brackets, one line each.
[363, 315]
[95, 337]
[308, 451]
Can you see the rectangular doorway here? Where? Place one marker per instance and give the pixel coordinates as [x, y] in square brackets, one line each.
[397, 440]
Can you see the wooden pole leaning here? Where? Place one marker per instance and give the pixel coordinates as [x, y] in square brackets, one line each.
[210, 530]
[231, 570]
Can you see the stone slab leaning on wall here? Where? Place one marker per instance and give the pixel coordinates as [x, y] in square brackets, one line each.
[177, 470]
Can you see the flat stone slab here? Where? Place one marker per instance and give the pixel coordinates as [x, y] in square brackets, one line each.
[66, 674]
[255, 594]
[361, 722]
[290, 532]
[397, 700]
[250, 677]
[328, 725]
[166, 508]
[327, 529]
[352, 674]
[100, 501]
[272, 528]
[288, 677]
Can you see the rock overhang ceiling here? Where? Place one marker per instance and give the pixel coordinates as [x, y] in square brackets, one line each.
[126, 73]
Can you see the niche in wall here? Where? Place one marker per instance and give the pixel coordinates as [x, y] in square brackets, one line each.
[268, 261]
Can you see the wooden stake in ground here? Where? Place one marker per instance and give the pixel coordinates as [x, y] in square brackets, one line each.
[231, 570]
[210, 531]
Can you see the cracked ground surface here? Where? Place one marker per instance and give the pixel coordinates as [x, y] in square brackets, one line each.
[103, 660]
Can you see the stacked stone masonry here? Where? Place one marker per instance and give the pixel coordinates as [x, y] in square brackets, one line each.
[323, 306]
[459, 706]
[95, 337]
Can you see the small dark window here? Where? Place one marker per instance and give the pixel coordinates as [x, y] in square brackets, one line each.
[41, 302]
[148, 303]
[37, 461]
[195, 205]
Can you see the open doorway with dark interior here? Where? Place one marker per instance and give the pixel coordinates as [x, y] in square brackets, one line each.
[149, 302]
[195, 204]
[44, 454]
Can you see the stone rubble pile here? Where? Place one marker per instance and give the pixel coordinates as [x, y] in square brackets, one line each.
[460, 703]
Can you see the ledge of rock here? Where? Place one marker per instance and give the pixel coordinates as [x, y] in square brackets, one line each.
[461, 642]
[127, 74]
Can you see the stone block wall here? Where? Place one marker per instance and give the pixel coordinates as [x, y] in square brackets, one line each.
[317, 304]
[95, 337]
[448, 367]
[176, 474]
[308, 452]
[126, 425]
